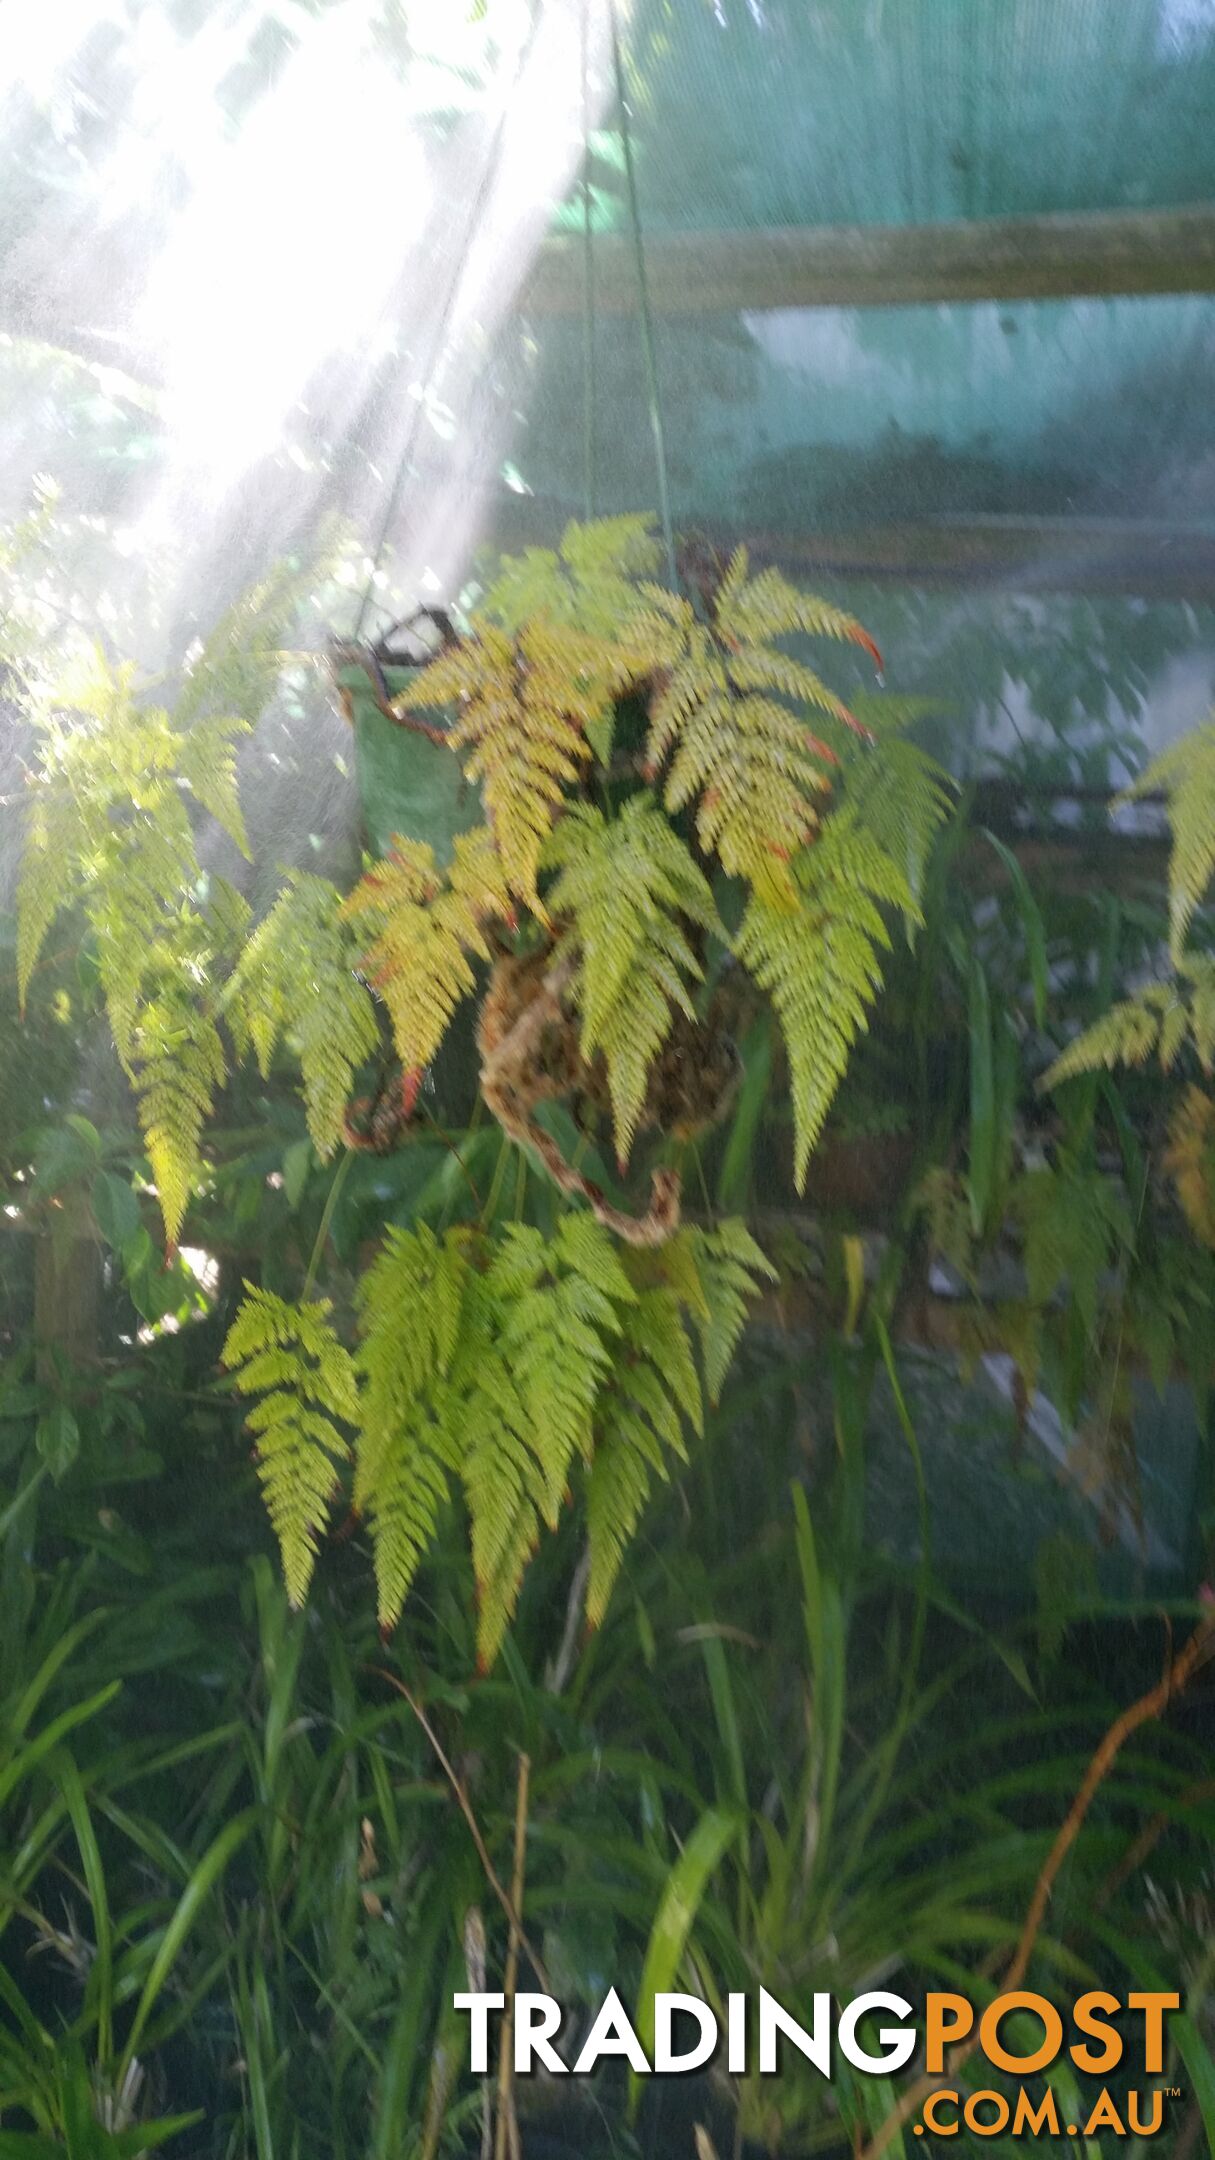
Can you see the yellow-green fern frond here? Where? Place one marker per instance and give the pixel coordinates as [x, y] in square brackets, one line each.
[587, 583]
[628, 885]
[1156, 1021]
[523, 709]
[290, 1357]
[730, 1267]
[50, 881]
[653, 1391]
[1186, 774]
[237, 668]
[424, 930]
[1190, 1161]
[820, 963]
[411, 1309]
[175, 1061]
[296, 979]
[206, 762]
[731, 718]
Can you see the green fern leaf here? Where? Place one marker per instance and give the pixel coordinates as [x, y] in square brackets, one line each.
[1186, 774]
[424, 929]
[411, 1307]
[627, 885]
[731, 719]
[290, 1358]
[730, 1267]
[296, 979]
[820, 963]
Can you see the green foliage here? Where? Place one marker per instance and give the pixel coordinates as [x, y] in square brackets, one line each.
[289, 1357]
[295, 978]
[109, 831]
[1157, 1021]
[1074, 1223]
[537, 1359]
[729, 717]
[588, 583]
[1186, 774]
[819, 962]
[424, 928]
[626, 885]
[523, 709]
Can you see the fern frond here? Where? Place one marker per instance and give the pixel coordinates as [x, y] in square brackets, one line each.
[1186, 774]
[654, 1389]
[424, 929]
[730, 1267]
[820, 963]
[902, 797]
[1154, 1020]
[627, 885]
[290, 1357]
[735, 746]
[411, 1307]
[49, 882]
[296, 978]
[1073, 1222]
[207, 764]
[1189, 1159]
[587, 583]
[237, 668]
[524, 706]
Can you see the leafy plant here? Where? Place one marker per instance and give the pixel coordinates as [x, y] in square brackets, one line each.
[593, 708]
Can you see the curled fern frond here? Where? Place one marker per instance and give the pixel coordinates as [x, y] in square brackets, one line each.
[628, 885]
[290, 1358]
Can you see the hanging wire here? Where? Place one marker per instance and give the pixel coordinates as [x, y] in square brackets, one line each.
[588, 286]
[479, 203]
[643, 300]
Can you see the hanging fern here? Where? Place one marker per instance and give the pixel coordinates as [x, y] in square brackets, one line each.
[289, 1357]
[496, 1366]
[624, 886]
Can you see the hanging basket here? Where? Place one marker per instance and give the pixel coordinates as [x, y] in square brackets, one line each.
[409, 781]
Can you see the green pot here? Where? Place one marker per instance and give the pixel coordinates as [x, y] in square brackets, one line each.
[407, 783]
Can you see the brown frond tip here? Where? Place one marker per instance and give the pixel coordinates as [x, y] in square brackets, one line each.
[862, 638]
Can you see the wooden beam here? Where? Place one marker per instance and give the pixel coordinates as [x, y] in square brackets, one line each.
[792, 266]
[1147, 558]
[1140, 556]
